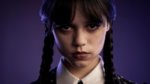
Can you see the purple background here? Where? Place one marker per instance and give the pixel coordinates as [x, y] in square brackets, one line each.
[21, 40]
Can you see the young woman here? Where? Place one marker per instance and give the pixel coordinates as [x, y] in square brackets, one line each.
[82, 31]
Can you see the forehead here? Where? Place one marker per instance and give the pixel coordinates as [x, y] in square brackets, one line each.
[79, 17]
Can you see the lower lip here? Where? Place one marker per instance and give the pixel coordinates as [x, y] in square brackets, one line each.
[81, 56]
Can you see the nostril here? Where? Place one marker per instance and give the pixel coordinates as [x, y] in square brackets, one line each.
[78, 43]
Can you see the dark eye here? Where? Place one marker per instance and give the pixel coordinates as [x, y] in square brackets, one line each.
[93, 26]
[63, 28]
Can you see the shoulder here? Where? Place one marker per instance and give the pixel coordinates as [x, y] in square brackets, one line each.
[121, 80]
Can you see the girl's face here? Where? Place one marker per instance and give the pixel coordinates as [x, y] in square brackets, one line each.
[81, 41]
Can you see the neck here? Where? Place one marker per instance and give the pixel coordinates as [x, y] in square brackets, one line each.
[81, 72]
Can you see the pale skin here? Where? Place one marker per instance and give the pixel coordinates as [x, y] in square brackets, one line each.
[80, 43]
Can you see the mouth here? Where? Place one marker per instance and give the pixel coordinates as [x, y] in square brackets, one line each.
[81, 55]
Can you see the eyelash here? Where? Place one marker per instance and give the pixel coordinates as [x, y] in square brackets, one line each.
[93, 26]
[64, 28]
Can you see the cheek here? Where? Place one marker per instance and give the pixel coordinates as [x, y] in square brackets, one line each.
[97, 42]
[57, 40]
[62, 42]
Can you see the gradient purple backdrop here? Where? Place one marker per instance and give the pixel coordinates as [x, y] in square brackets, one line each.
[22, 33]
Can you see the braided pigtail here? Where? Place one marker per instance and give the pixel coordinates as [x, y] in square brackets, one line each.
[108, 58]
[47, 58]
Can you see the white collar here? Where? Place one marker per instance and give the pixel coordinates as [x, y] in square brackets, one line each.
[96, 76]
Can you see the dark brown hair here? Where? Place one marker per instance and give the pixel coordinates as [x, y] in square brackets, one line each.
[62, 12]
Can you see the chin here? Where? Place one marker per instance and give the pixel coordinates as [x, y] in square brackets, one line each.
[81, 64]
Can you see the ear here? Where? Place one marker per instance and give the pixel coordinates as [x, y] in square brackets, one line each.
[107, 27]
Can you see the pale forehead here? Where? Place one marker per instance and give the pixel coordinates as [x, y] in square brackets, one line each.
[80, 18]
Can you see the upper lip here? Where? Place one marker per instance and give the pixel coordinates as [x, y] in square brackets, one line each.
[82, 52]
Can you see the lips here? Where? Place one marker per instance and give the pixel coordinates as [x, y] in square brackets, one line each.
[81, 55]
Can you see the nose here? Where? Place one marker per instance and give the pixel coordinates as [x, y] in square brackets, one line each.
[79, 39]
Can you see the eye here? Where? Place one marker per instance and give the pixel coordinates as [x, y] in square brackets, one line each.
[63, 28]
[93, 26]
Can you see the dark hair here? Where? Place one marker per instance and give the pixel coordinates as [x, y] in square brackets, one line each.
[62, 12]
